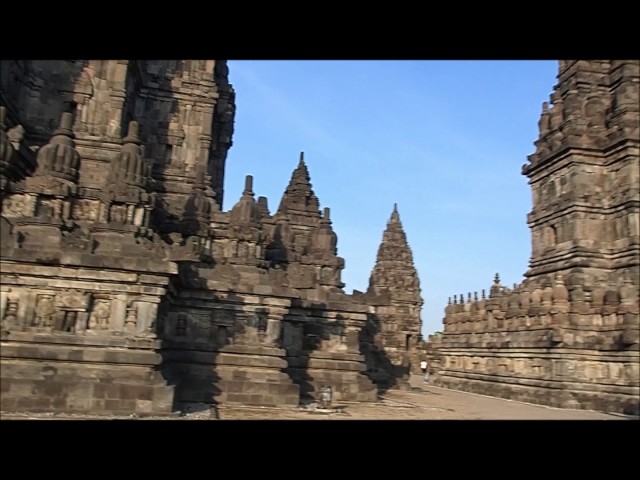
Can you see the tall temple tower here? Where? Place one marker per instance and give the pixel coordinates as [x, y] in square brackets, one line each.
[568, 334]
[394, 291]
[584, 173]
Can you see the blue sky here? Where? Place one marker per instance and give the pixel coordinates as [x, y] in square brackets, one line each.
[445, 140]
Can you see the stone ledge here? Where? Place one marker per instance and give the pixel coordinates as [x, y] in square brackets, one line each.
[65, 353]
[73, 339]
[547, 383]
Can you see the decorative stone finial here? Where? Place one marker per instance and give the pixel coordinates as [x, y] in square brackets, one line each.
[484, 295]
[264, 205]
[248, 185]
[129, 168]
[327, 214]
[247, 210]
[66, 122]
[496, 279]
[449, 301]
[301, 162]
[455, 299]
[63, 134]
[475, 296]
[132, 133]
[59, 157]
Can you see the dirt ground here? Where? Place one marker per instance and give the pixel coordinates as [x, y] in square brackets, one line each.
[427, 403]
[423, 402]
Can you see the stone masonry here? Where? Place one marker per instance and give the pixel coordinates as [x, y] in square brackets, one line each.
[394, 331]
[567, 336]
[126, 288]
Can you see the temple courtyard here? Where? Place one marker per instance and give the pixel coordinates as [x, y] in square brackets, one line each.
[423, 402]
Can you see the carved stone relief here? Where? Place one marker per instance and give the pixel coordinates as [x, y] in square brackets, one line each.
[100, 314]
[45, 311]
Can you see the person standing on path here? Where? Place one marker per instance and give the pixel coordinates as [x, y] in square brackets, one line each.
[424, 366]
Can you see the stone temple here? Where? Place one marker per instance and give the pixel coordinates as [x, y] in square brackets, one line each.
[567, 336]
[127, 288]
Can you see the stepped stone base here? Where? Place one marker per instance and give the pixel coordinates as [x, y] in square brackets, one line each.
[343, 372]
[236, 374]
[45, 375]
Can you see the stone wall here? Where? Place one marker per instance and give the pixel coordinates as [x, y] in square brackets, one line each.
[567, 336]
[127, 288]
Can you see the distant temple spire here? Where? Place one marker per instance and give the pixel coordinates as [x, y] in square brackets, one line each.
[394, 269]
[395, 216]
[298, 196]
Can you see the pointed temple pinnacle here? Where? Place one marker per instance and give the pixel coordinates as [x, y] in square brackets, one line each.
[301, 170]
[299, 194]
[395, 217]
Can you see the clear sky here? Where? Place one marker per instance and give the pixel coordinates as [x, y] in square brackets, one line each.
[445, 140]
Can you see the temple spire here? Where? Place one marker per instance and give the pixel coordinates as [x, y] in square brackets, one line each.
[395, 217]
[394, 269]
[299, 196]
